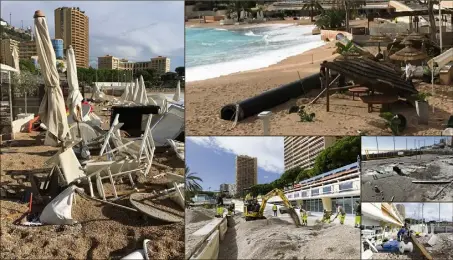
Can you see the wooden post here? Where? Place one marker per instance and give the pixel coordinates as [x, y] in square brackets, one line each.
[327, 88]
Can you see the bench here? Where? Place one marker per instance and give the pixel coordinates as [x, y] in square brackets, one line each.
[380, 99]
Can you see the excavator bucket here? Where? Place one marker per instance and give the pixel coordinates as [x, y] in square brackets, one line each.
[294, 216]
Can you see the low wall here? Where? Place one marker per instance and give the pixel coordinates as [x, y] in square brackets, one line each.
[331, 35]
[212, 234]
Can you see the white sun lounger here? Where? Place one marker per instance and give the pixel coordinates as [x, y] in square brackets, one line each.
[178, 147]
[170, 126]
[139, 149]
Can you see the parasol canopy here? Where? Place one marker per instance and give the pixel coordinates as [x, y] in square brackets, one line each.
[379, 38]
[52, 111]
[75, 98]
[415, 37]
[408, 53]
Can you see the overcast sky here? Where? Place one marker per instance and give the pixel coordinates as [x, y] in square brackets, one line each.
[136, 31]
[430, 211]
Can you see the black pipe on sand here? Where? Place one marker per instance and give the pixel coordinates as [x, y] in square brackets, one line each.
[270, 98]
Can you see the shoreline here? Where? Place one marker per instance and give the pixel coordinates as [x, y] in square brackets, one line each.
[205, 99]
[194, 23]
[244, 26]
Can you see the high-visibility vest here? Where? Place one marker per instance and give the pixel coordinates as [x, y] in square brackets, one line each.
[274, 207]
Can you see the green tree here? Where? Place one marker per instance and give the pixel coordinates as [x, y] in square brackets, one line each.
[312, 5]
[181, 71]
[27, 65]
[343, 152]
[192, 181]
[330, 19]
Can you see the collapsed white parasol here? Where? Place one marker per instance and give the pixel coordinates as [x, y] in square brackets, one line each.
[136, 90]
[75, 97]
[59, 210]
[177, 95]
[125, 95]
[52, 111]
[142, 93]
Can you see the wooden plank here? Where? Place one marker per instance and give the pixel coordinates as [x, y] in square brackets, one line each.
[327, 89]
[419, 245]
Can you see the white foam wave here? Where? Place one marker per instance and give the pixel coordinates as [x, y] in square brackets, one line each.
[255, 62]
[250, 33]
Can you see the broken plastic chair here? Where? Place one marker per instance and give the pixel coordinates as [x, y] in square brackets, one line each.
[141, 254]
[59, 210]
[169, 126]
[140, 149]
[178, 147]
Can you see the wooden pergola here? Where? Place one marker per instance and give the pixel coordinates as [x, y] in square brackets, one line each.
[369, 73]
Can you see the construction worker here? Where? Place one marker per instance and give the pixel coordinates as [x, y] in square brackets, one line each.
[401, 233]
[274, 209]
[341, 213]
[303, 217]
[358, 214]
[220, 208]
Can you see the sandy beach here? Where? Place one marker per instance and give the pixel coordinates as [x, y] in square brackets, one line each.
[102, 231]
[346, 117]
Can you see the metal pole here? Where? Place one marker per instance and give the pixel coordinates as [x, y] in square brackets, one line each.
[440, 24]
[377, 145]
[394, 146]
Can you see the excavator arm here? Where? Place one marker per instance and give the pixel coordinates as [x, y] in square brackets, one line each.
[281, 194]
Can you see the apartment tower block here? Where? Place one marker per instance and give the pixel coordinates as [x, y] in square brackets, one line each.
[246, 173]
[72, 26]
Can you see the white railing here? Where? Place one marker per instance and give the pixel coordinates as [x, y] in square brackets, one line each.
[349, 187]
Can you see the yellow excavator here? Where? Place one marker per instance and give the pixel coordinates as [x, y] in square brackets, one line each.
[252, 212]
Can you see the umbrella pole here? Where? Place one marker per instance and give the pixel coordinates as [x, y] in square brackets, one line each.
[432, 83]
[25, 97]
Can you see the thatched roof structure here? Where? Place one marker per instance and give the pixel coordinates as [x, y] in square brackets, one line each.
[416, 37]
[373, 75]
[379, 38]
[408, 53]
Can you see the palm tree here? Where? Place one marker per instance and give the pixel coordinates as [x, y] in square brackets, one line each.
[192, 181]
[313, 5]
[348, 6]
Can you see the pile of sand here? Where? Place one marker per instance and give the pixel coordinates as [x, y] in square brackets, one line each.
[279, 239]
[194, 215]
[443, 249]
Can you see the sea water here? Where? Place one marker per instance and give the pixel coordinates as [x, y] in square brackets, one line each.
[213, 52]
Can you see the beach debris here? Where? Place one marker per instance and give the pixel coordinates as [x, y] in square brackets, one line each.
[398, 170]
[439, 192]
[58, 211]
[403, 247]
[166, 205]
[377, 190]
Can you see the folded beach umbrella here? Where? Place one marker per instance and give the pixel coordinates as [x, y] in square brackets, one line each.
[125, 94]
[136, 90]
[52, 111]
[15, 55]
[177, 95]
[130, 96]
[75, 98]
[143, 96]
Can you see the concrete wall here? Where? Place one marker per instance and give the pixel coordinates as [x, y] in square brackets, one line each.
[212, 234]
